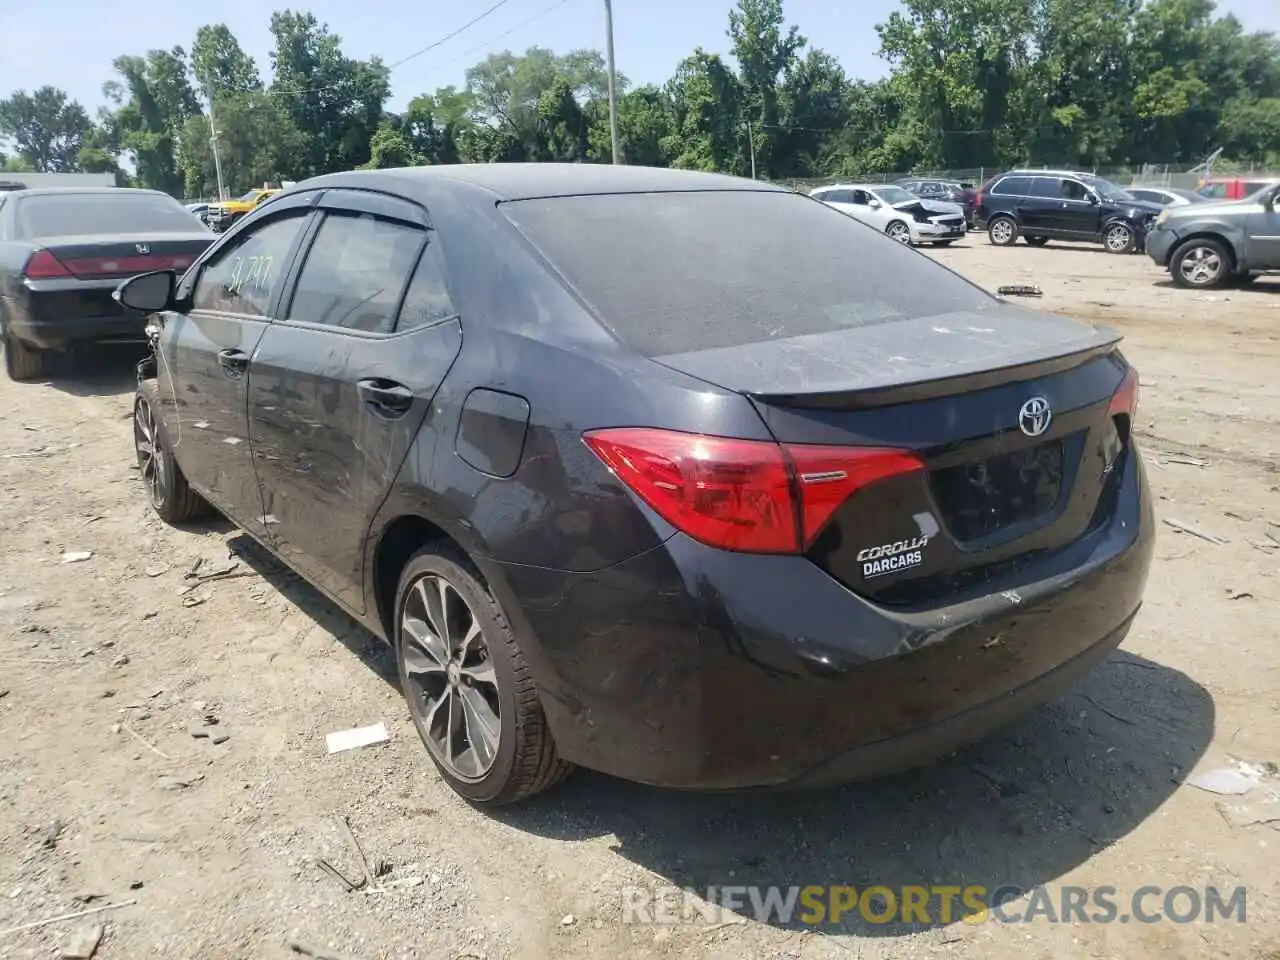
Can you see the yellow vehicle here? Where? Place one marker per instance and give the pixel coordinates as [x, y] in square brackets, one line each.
[223, 215]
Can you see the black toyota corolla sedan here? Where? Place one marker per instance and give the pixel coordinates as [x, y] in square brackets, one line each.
[680, 477]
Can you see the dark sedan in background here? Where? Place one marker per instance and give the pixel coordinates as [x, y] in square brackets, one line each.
[794, 509]
[63, 251]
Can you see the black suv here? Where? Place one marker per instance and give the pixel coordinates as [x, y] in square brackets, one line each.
[1044, 205]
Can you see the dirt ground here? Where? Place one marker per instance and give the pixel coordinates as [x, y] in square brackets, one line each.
[108, 664]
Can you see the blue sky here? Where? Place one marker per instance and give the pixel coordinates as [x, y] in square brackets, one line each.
[70, 43]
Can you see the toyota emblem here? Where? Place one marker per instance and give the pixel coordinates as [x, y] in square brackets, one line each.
[1035, 416]
[142, 248]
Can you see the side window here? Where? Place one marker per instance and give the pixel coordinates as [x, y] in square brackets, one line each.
[930, 189]
[1013, 187]
[861, 198]
[356, 271]
[427, 300]
[1150, 196]
[243, 277]
[838, 196]
[1047, 187]
[1074, 190]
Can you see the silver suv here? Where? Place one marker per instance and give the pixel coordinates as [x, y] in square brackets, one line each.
[1211, 244]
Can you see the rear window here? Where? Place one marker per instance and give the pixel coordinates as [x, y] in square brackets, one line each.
[678, 272]
[1013, 186]
[125, 211]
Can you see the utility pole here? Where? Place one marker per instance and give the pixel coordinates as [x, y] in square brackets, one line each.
[751, 145]
[213, 140]
[613, 82]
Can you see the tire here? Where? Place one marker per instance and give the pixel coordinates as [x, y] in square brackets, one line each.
[1002, 231]
[483, 681]
[1119, 238]
[1037, 241]
[1200, 263]
[897, 230]
[22, 362]
[171, 497]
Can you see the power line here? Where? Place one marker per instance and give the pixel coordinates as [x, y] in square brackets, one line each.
[496, 37]
[449, 36]
[309, 88]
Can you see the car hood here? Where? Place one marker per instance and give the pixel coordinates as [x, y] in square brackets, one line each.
[929, 206]
[1214, 208]
[1138, 206]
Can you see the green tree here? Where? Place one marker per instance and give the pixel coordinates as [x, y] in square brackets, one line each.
[257, 142]
[335, 102]
[47, 129]
[220, 65]
[765, 50]
[149, 122]
[707, 130]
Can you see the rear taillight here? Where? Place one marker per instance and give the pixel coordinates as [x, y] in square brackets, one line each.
[43, 265]
[753, 496]
[1124, 402]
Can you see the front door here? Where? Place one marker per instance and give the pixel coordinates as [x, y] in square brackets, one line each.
[339, 387]
[1262, 245]
[204, 358]
[1079, 215]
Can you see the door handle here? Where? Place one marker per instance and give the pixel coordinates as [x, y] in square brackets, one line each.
[233, 361]
[386, 397]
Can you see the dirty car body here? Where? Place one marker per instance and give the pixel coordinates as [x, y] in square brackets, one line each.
[753, 514]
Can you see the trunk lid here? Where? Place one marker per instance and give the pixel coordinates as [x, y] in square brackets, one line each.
[103, 256]
[1009, 411]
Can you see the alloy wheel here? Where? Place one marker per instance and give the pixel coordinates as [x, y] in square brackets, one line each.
[451, 685]
[1200, 266]
[900, 232]
[150, 460]
[1002, 231]
[1118, 238]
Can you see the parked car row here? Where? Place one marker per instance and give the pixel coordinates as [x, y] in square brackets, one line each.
[1215, 235]
[817, 535]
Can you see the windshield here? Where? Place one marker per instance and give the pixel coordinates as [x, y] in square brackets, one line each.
[251, 196]
[673, 273]
[1107, 190]
[120, 211]
[894, 195]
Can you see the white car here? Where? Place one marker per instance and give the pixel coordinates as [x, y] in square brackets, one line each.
[1165, 196]
[902, 215]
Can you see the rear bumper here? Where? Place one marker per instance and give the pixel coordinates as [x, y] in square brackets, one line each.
[55, 314]
[689, 667]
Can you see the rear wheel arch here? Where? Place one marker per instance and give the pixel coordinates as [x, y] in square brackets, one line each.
[396, 545]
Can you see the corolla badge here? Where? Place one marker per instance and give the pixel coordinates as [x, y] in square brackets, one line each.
[1035, 416]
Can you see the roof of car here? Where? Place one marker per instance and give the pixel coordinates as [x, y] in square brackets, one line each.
[526, 181]
[81, 191]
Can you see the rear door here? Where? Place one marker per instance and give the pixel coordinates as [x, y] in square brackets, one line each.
[1263, 241]
[204, 356]
[1040, 210]
[340, 385]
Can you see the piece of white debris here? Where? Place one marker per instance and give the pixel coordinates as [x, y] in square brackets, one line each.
[84, 943]
[568, 920]
[76, 556]
[341, 740]
[1224, 781]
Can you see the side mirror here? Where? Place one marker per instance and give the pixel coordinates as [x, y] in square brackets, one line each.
[1093, 199]
[147, 292]
[874, 204]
